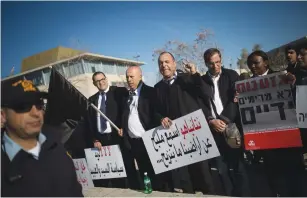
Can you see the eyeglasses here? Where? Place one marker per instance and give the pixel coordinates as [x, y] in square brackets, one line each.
[97, 81]
[26, 107]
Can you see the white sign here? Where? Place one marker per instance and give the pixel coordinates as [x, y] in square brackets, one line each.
[83, 175]
[268, 113]
[266, 104]
[105, 164]
[301, 105]
[189, 140]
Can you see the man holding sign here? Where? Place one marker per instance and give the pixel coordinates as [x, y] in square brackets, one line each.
[263, 99]
[179, 95]
[107, 99]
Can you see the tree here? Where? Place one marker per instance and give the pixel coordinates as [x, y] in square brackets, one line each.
[277, 61]
[242, 61]
[192, 52]
[256, 47]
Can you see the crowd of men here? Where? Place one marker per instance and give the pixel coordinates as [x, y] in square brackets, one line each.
[28, 155]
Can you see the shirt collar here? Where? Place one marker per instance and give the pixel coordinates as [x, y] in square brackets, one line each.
[264, 74]
[213, 77]
[105, 91]
[172, 78]
[138, 90]
[11, 148]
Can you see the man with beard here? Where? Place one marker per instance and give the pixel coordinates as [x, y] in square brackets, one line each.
[33, 164]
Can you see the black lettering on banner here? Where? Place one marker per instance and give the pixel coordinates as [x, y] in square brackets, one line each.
[281, 109]
[251, 99]
[250, 110]
[280, 94]
[252, 115]
[268, 96]
[289, 92]
[258, 109]
[241, 101]
[261, 97]
[266, 108]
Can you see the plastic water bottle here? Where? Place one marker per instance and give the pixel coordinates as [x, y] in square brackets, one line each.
[147, 184]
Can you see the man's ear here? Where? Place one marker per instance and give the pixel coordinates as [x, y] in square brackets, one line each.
[3, 117]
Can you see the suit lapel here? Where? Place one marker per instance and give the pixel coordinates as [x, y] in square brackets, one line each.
[96, 99]
[140, 101]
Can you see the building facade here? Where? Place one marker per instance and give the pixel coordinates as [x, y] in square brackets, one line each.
[76, 66]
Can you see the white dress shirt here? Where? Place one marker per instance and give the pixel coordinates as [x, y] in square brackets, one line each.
[265, 73]
[108, 129]
[173, 79]
[216, 98]
[135, 127]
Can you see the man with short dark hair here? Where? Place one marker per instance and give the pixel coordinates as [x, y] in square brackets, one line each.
[224, 111]
[108, 100]
[33, 164]
[291, 57]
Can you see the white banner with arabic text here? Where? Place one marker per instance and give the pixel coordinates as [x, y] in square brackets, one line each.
[83, 174]
[105, 164]
[189, 140]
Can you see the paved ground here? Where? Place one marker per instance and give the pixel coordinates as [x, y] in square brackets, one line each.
[257, 179]
[115, 192]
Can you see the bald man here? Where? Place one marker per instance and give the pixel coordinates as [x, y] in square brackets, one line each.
[138, 114]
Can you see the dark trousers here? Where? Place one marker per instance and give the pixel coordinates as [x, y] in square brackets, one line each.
[233, 174]
[139, 152]
[285, 171]
[107, 140]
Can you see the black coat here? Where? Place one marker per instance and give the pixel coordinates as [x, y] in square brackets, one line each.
[187, 94]
[227, 92]
[52, 175]
[113, 110]
[230, 113]
[146, 110]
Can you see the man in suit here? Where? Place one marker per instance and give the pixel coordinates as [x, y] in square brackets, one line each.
[222, 91]
[179, 95]
[138, 117]
[107, 99]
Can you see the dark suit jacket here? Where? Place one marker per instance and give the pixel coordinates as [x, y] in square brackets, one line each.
[190, 95]
[113, 110]
[227, 92]
[145, 108]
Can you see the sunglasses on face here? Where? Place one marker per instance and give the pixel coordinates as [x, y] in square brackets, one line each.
[26, 107]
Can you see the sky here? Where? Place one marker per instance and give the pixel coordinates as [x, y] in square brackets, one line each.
[126, 29]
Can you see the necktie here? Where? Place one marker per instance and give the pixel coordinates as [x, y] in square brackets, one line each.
[131, 94]
[103, 121]
[169, 81]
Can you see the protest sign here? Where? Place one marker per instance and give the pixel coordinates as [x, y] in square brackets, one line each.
[187, 141]
[83, 174]
[105, 164]
[301, 105]
[267, 113]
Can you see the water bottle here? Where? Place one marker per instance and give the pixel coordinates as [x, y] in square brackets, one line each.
[147, 184]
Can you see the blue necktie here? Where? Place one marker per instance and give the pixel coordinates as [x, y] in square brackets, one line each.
[103, 121]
